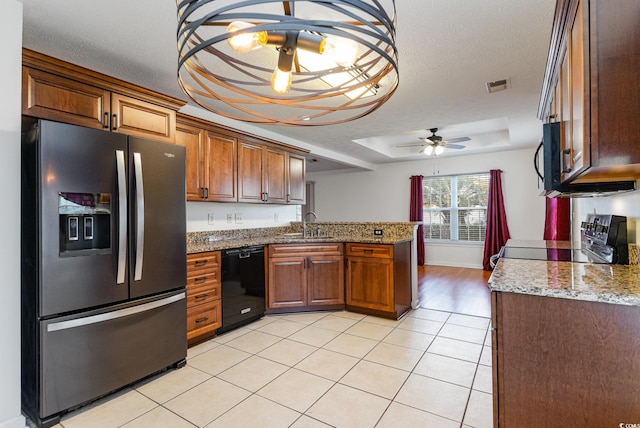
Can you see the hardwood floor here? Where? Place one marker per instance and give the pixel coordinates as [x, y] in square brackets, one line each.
[454, 289]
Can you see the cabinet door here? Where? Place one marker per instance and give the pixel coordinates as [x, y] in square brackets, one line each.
[579, 127]
[52, 97]
[204, 319]
[565, 118]
[250, 172]
[135, 117]
[275, 175]
[287, 282]
[191, 138]
[296, 175]
[370, 283]
[325, 277]
[221, 168]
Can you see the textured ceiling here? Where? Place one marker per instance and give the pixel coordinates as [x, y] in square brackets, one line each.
[448, 50]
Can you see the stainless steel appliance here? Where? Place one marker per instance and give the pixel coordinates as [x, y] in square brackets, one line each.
[603, 240]
[103, 264]
[243, 286]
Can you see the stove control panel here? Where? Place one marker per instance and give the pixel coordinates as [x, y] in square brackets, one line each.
[605, 236]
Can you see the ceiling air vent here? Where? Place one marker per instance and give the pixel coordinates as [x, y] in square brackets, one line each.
[498, 85]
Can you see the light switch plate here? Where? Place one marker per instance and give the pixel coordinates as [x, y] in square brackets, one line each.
[211, 218]
[229, 218]
[238, 218]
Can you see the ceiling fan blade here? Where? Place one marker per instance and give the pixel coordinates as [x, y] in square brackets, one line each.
[411, 145]
[458, 140]
[454, 146]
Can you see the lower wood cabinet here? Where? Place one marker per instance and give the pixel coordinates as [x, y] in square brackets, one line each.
[564, 363]
[204, 307]
[378, 279]
[305, 277]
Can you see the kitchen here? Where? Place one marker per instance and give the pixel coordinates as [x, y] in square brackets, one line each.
[355, 200]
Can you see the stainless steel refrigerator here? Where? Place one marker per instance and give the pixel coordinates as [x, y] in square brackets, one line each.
[103, 264]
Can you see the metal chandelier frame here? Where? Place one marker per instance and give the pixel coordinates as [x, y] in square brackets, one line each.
[237, 85]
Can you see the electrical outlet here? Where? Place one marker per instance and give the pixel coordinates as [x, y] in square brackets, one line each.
[211, 218]
[238, 218]
[377, 232]
[229, 218]
[276, 217]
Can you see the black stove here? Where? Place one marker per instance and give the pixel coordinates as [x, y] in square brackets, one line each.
[550, 254]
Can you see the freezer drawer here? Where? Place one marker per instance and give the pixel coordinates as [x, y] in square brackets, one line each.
[92, 354]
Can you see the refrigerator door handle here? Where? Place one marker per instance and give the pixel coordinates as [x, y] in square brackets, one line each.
[94, 319]
[137, 164]
[122, 217]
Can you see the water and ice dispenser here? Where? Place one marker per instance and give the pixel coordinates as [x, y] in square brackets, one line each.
[85, 223]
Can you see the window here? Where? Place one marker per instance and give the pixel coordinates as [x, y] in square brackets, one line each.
[455, 207]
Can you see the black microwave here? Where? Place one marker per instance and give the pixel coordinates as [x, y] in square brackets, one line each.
[552, 178]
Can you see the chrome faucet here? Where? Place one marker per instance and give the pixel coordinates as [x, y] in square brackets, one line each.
[304, 222]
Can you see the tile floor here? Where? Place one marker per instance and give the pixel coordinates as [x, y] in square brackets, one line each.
[325, 369]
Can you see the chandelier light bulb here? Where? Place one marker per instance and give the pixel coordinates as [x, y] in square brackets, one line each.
[246, 42]
[281, 81]
[428, 150]
[343, 52]
[439, 150]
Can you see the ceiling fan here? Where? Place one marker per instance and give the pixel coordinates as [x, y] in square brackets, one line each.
[435, 145]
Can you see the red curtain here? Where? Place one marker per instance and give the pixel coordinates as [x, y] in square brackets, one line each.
[557, 224]
[497, 229]
[416, 214]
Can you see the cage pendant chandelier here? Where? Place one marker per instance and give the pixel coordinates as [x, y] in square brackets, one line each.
[298, 62]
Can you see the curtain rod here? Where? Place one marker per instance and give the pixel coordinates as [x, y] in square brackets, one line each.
[455, 175]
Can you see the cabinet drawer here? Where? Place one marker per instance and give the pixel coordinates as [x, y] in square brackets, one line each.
[203, 278]
[328, 248]
[370, 250]
[197, 295]
[203, 264]
[203, 318]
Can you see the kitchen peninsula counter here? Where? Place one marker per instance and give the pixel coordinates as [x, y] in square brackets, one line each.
[565, 342]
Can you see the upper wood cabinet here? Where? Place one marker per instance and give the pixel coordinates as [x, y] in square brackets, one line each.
[592, 86]
[270, 174]
[211, 161]
[56, 90]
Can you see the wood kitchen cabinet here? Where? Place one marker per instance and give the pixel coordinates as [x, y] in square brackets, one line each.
[56, 90]
[378, 279]
[270, 174]
[305, 277]
[591, 86]
[204, 306]
[561, 362]
[211, 161]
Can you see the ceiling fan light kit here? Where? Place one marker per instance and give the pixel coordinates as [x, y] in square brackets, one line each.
[305, 62]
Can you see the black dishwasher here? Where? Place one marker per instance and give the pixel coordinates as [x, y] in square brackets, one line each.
[243, 286]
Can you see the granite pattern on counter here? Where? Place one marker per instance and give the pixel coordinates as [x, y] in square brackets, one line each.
[616, 284]
[393, 233]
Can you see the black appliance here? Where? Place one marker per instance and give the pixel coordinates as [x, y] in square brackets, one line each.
[603, 240]
[103, 271]
[604, 237]
[243, 286]
[553, 158]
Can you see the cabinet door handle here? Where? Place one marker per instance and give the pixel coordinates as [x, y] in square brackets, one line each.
[565, 168]
[114, 122]
[366, 251]
[206, 193]
[200, 297]
[105, 120]
[200, 280]
[200, 320]
[201, 262]
[288, 198]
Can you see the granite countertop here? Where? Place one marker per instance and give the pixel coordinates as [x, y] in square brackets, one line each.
[608, 283]
[393, 233]
[223, 244]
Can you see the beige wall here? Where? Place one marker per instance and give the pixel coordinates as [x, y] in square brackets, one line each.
[383, 195]
[11, 36]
